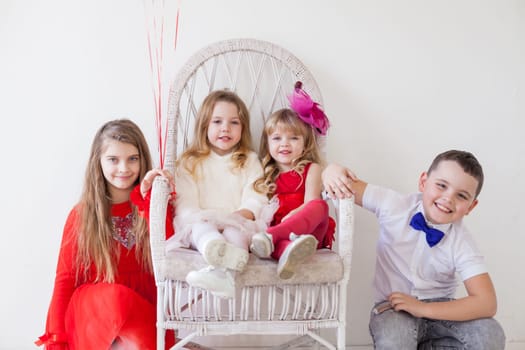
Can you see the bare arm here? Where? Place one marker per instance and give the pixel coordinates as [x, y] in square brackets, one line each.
[358, 189]
[480, 302]
[313, 185]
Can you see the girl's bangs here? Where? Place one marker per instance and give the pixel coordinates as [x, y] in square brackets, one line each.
[290, 125]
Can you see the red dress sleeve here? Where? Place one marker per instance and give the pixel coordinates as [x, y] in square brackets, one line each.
[55, 337]
[143, 204]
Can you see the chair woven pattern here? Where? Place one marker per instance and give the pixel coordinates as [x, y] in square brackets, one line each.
[262, 74]
[270, 303]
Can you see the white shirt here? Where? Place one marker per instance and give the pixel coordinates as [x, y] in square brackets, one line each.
[405, 262]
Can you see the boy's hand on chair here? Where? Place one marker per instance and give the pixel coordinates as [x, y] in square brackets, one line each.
[337, 181]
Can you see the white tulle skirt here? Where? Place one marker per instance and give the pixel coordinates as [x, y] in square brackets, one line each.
[183, 224]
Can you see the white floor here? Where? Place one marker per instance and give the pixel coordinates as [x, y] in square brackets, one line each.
[509, 346]
[243, 342]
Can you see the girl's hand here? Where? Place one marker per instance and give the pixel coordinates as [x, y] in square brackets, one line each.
[337, 181]
[147, 182]
[245, 213]
[407, 303]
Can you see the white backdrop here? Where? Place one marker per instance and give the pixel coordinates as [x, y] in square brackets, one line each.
[401, 80]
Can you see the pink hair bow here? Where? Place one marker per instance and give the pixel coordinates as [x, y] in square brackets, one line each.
[308, 110]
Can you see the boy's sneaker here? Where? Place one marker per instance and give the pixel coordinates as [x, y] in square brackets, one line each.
[218, 281]
[262, 245]
[302, 247]
[220, 253]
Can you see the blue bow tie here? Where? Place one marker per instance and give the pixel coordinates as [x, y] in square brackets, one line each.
[433, 235]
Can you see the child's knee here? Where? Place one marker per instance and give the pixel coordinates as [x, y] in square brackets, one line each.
[319, 205]
[393, 330]
[484, 334]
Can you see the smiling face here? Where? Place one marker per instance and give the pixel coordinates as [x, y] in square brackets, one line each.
[120, 164]
[449, 193]
[285, 146]
[225, 128]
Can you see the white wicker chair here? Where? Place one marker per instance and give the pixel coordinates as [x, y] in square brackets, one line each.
[316, 297]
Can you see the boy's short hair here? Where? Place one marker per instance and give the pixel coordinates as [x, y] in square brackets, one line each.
[466, 160]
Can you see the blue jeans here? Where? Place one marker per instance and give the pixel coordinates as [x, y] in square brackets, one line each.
[402, 331]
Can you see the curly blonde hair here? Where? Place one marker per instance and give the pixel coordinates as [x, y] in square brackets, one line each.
[96, 245]
[287, 120]
[200, 147]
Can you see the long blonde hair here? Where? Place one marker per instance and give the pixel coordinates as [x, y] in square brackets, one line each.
[285, 119]
[200, 147]
[96, 245]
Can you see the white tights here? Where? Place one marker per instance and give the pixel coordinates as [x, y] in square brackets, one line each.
[203, 232]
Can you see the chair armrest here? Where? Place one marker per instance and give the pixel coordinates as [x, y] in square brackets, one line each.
[160, 194]
[345, 231]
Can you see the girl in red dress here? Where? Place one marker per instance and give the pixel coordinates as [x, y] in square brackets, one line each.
[292, 175]
[104, 295]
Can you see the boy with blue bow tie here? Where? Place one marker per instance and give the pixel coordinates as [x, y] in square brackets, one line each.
[423, 246]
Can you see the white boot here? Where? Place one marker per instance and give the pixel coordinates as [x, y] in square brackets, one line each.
[220, 253]
[262, 245]
[302, 247]
[220, 282]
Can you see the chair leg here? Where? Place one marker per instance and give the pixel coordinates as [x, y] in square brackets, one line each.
[317, 345]
[186, 340]
[320, 340]
[161, 331]
[161, 334]
[341, 338]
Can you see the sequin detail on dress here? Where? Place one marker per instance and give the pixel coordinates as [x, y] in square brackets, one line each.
[122, 230]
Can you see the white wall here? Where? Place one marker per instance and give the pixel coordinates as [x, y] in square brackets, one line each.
[401, 81]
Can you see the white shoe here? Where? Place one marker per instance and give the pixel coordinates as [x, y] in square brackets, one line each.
[302, 247]
[218, 281]
[220, 253]
[262, 245]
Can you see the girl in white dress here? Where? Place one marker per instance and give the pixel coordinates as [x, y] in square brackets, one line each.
[216, 204]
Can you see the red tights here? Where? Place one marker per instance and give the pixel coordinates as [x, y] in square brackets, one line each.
[311, 219]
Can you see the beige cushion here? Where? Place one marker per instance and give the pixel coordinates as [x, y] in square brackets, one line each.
[324, 267]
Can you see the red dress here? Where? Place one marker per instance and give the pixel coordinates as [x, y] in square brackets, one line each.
[95, 315]
[312, 219]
